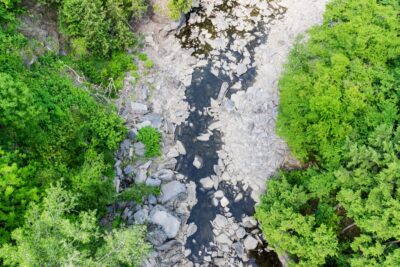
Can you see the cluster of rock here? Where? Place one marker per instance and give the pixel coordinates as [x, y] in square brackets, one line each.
[156, 99]
[252, 150]
[222, 30]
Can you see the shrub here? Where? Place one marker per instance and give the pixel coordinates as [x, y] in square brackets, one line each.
[151, 138]
[148, 64]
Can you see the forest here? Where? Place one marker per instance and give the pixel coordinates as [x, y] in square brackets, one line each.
[339, 113]
[57, 137]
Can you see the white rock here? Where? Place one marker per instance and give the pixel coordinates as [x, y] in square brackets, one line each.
[220, 221]
[250, 243]
[219, 194]
[215, 202]
[241, 232]
[223, 239]
[249, 222]
[207, 182]
[180, 147]
[141, 176]
[204, 137]
[224, 202]
[198, 162]
[191, 230]
[241, 69]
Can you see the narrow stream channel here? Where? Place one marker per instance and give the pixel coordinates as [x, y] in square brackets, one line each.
[205, 86]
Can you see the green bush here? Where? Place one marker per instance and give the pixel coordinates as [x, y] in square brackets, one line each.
[103, 71]
[149, 64]
[340, 110]
[151, 138]
[138, 192]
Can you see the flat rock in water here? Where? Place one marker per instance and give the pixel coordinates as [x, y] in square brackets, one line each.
[207, 182]
[172, 190]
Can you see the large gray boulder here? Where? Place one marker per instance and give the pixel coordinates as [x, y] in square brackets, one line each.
[168, 222]
[172, 190]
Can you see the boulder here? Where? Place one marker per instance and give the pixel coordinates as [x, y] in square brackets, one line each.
[169, 223]
[224, 202]
[219, 194]
[191, 230]
[250, 243]
[129, 169]
[240, 233]
[223, 239]
[220, 221]
[164, 175]
[157, 237]
[141, 216]
[207, 182]
[152, 200]
[172, 190]
[153, 182]
[141, 176]
[241, 69]
[249, 222]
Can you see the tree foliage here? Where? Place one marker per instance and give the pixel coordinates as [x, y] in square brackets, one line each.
[54, 237]
[103, 25]
[340, 110]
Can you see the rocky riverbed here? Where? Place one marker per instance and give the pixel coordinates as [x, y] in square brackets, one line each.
[213, 94]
